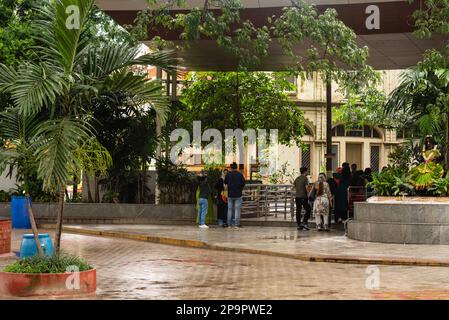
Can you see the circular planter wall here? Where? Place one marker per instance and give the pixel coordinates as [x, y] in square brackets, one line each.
[40, 284]
[409, 220]
[5, 235]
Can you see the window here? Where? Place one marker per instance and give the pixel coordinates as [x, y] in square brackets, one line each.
[305, 157]
[375, 158]
[365, 132]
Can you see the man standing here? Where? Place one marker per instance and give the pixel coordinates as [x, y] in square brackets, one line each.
[301, 198]
[235, 182]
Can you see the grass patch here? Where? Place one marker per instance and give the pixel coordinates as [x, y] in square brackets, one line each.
[56, 264]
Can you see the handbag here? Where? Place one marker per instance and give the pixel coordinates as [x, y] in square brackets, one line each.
[224, 196]
[312, 194]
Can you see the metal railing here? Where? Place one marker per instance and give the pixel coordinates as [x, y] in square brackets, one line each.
[264, 200]
[357, 194]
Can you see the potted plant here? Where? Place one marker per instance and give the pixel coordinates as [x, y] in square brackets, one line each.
[59, 275]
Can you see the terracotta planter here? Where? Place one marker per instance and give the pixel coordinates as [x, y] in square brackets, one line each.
[43, 284]
[5, 235]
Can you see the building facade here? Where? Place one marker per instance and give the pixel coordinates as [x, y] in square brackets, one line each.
[367, 147]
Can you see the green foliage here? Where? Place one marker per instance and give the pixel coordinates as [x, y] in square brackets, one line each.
[404, 156]
[424, 95]
[242, 100]
[283, 175]
[176, 183]
[54, 264]
[330, 45]
[425, 179]
[391, 182]
[128, 132]
[111, 197]
[440, 186]
[5, 196]
[431, 18]
[71, 74]
[367, 107]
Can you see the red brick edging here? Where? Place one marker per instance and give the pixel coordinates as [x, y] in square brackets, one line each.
[5, 236]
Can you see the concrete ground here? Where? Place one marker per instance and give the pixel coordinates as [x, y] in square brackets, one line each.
[310, 245]
[129, 269]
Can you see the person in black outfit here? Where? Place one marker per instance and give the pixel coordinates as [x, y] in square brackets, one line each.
[341, 194]
[333, 187]
[222, 204]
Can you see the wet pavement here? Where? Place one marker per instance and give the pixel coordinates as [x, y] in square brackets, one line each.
[128, 269]
[288, 241]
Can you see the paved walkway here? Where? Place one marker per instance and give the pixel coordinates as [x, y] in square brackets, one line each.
[128, 269]
[278, 241]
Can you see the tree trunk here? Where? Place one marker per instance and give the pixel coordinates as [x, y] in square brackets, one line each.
[446, 153]
[59, 222]
[97, 189]
[329, 156]
[75, 188]
[89, 193]
[157, 191]
[33, 226]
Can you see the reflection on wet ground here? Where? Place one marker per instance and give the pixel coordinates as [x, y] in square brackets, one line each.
[285, 240]
[128, 269]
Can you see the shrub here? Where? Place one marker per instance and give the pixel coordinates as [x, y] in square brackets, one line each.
[391, 182]
[54, 264]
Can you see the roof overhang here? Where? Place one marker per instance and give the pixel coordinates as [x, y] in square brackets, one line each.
[392, 46]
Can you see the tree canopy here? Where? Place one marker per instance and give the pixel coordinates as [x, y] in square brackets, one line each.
[244, 100]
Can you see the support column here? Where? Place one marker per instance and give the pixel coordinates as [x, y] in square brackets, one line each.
[366, 160]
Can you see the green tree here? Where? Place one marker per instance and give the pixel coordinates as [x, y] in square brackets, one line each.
[424, 95]
[128, 131]
[328, 45]
[244, 100]
[66, 78]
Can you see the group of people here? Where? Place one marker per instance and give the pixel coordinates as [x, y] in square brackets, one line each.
[319, 198]
[327, 194]
[228, 196]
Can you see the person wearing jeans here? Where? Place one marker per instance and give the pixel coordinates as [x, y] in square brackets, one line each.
[202, 211]
[203, 202]
[237, 204]
[234, 182]
[302, 199]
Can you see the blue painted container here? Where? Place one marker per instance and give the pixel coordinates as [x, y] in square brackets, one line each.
[28, 247]
[19, 213]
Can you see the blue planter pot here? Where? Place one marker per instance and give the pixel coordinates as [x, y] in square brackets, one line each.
[20, 217]
[28, 247]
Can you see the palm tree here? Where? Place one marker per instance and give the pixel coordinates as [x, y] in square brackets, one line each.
[424, 95]
[17, 154]
[62, 84]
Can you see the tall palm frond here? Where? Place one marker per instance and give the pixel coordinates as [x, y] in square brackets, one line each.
[57, 156]
[414, 92]
[60, 31]
[17, 127]
[31, 86]
[139, 89]
[102, 61]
